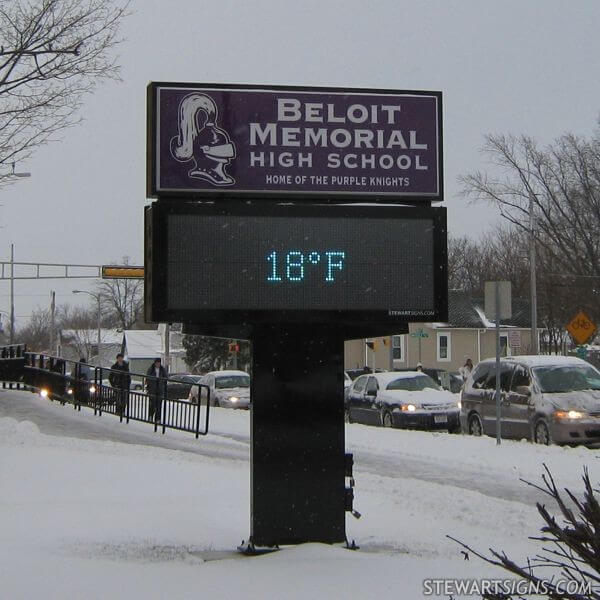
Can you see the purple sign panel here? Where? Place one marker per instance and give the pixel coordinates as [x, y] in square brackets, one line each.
[217, 140]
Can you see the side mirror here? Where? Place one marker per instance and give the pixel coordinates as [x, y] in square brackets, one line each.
[523, 390]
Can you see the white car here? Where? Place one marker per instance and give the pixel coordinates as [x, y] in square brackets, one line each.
[409, 399]
[228, 389]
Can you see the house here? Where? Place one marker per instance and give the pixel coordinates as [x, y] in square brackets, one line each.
[142, 346]
[469, 333]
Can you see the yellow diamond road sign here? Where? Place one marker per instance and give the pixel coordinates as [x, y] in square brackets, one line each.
[581, 328]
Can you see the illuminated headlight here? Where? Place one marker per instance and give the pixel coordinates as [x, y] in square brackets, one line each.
[233, 399]
[571, 414]
[44, 393]
[408, 408]
[70, 391]
[92, 389]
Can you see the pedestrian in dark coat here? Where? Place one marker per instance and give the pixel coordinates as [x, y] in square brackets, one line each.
[120, 381]
[156, 387]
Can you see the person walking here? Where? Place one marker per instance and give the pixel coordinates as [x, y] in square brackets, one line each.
[466, 369]
[81, 375]
[156, 387]
[120, 381]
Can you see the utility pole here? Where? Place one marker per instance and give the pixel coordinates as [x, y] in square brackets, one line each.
[52, 320]
[532, 269]
[99, 316]
[12, 294]
[498, 396]
[167, 351]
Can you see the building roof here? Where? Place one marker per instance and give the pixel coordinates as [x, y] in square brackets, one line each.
[107, 336]
[146, 343]
[466, 312]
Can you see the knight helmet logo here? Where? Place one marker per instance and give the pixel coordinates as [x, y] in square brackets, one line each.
[202, 141]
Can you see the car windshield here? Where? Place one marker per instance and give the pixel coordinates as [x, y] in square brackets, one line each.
[557, 379]
[413, 384]
[232, 381]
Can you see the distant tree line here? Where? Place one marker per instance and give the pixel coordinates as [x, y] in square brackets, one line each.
[562, 181]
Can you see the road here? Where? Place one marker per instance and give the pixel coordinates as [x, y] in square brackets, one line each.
[229, 439]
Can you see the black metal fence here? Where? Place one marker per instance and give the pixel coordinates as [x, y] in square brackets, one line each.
[104, 390]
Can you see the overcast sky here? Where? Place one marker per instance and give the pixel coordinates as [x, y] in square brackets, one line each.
[518, 66]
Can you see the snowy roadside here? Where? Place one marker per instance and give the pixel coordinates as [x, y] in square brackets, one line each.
[97, 519]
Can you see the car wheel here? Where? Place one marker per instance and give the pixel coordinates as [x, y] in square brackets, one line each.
[387, 420]
[541, 433]
[475, 426]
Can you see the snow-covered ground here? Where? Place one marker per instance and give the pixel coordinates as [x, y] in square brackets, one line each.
[91, 508]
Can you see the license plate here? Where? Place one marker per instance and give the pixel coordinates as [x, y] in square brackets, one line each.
[440, 418]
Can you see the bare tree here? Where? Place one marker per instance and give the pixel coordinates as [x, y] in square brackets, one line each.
[122, 300]
[52, 53]
[36, 334]
[569, 549]
[563, 183]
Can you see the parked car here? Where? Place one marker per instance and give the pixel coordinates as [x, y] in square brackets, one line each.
[402, 399]
[180, 384]
[452, 382]
[228, 389]
[545, 399]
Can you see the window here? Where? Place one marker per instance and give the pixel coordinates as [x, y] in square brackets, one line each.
[398, 347]
[359, 384]
[444, 351]
[505, 377]
[520, 378]
[414, 384]
[480, 375]
[504, 348]
[372, 387]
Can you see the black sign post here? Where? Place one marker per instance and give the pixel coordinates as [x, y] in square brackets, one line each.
[256, 235]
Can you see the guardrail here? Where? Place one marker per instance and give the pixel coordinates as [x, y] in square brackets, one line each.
[82, 385]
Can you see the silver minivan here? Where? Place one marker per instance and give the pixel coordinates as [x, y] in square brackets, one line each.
[546, 399]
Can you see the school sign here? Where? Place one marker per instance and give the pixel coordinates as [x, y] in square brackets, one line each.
[257, 141]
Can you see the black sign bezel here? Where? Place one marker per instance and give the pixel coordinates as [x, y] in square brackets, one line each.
[152, 190]
[156, 256]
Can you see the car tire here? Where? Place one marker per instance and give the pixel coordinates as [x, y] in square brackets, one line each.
[541, 433]
[475, 425]
[387, 420]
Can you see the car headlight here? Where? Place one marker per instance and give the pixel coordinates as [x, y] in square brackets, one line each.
[70, 391]
[92, 389]
[569, 414]
[408, 408]
[233, 399]
[44, 393]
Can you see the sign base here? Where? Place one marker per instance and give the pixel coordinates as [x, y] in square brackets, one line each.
[297, 436]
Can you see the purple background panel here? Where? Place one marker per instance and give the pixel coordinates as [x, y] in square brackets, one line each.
[220, 159]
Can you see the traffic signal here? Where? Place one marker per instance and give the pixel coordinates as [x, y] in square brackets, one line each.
[234, 347]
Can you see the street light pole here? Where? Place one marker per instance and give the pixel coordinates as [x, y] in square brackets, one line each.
[532, 269]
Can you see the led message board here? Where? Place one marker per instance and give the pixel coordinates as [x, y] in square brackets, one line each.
[275, 141]
[295, 263]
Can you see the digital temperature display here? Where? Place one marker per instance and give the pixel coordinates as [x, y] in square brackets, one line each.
[295, 262]
[322, 260]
